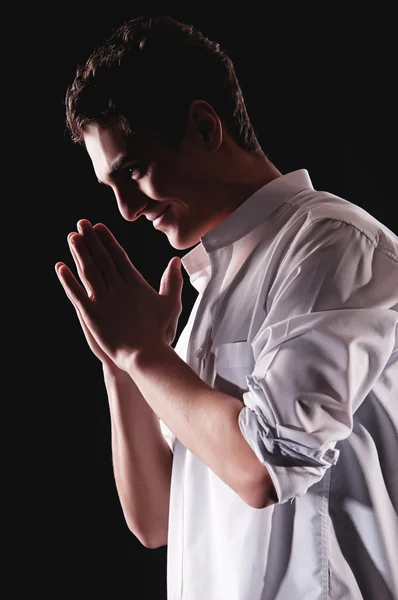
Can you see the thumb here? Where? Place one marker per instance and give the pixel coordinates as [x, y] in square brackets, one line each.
[172, 280]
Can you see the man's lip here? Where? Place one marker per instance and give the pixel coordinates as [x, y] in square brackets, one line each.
[154, 217]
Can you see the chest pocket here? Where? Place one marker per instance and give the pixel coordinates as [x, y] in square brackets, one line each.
[233, 361]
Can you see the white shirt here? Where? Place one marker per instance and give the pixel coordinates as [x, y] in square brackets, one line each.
[296, 315]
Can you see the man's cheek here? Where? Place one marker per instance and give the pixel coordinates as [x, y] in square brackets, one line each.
[159, 183]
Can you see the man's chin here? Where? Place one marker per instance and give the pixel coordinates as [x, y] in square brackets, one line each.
[180, 243]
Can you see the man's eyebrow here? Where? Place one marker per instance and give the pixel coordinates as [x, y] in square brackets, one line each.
[120, 164]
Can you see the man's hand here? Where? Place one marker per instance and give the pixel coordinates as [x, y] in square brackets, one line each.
[119, 311]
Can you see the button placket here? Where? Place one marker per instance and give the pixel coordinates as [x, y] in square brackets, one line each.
[199, 353]
[202, 351]
[205, 314]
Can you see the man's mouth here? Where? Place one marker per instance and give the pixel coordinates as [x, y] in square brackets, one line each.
[161, 214]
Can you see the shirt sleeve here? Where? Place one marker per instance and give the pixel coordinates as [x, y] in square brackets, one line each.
[330, 328]
[167, 434]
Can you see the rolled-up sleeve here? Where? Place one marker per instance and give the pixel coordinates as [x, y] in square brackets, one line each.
[168, 435]
[329, 331]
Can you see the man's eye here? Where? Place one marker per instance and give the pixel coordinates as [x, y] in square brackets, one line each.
[136, 170]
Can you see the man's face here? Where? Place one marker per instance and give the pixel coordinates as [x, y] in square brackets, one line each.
[147, 177]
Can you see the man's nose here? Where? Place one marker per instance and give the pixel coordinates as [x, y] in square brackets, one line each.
[130, 201]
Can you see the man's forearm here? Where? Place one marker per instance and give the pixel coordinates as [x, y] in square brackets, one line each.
[204, 420]
[142, 460]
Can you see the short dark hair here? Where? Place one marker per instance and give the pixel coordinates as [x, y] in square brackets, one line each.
[146, 75]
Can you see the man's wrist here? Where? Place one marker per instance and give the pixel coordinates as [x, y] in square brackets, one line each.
[147, 354]
[115, 373]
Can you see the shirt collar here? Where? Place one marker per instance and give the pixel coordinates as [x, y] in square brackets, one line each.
[248, 215]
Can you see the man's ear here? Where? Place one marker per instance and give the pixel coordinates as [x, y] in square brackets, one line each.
[205, 128]
[206, 123]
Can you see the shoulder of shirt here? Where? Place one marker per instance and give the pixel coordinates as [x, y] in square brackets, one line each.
[317, 206]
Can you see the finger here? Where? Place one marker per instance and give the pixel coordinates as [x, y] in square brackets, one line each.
[118, 254]
[172, 281]
[75, 257]
[99, 253]
[75, 292]
[86, 331]
[88, 269]
[84, 326]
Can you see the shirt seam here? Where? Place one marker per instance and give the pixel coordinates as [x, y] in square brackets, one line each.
[324, 499]
[374, 243]
[182, 526]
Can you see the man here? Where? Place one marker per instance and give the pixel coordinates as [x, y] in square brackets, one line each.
[262, 447]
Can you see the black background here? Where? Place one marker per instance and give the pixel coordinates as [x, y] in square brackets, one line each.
[317, 78]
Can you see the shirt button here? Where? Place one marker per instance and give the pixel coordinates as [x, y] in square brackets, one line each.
[199, 352]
